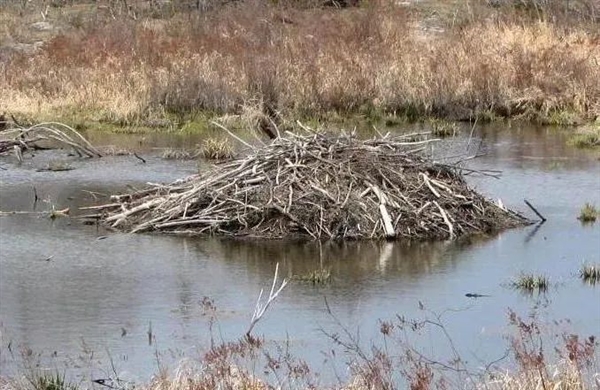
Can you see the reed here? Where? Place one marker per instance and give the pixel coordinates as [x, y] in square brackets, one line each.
[531, 283]
[588, 213]
[590, 274]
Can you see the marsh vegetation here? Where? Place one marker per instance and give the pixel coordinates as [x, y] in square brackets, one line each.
[588, 213]
[256, 363]
[590, 274]
[530, 283]
[170, 64]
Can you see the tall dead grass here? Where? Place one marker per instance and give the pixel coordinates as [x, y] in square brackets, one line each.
[308, 62]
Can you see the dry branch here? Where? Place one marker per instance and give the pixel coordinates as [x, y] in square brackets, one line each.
[320, 187]
[44, 136]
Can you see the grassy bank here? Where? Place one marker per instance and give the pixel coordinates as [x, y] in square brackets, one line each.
[162, 66]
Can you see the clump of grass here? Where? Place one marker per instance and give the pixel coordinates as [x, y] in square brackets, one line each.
[318, 276]
[590, 274]
[442, 128]
[588, 213]
[217, 149]
[586, 139]
[561, 118]
[178, 154]
[531, 283]
[50, 381]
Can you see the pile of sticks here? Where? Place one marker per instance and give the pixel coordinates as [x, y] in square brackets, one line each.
[317, 186]
[19, 140]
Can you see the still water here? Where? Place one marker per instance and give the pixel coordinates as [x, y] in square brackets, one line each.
[78, 297]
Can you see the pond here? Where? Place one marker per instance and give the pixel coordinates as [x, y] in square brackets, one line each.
[80, 298]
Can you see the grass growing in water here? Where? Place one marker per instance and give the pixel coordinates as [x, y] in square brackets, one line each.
[590, 274]
[442, 128]
[531, 283]
[586, 139]
[318, 276]
[50, 381]
[588, 213]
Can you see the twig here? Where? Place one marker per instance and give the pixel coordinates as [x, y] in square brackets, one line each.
[260, 309]
[231, 134]
[543, 219]
[139, 158]
[471, 135]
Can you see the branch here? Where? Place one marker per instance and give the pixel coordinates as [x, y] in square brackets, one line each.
[260, 309]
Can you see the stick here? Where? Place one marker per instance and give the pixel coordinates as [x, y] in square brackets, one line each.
[535, 211]
[387, 222]
[260, 309]
[471, 135]
[231, 134]
[139, 158]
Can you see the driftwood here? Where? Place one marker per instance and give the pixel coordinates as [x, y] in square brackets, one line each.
[44, 136]
[320, 187]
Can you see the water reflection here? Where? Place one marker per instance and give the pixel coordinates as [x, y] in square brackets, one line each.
[358, 262]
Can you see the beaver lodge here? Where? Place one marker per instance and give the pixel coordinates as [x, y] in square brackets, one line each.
[320, 187]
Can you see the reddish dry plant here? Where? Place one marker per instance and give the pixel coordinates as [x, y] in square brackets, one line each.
[579, 352]
[527, 344]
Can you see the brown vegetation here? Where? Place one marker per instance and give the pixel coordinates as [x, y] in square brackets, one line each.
[108, 63]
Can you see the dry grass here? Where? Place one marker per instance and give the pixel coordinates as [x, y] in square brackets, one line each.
[217, 149]
[588, 213]
[303, 62]
[564, 376]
